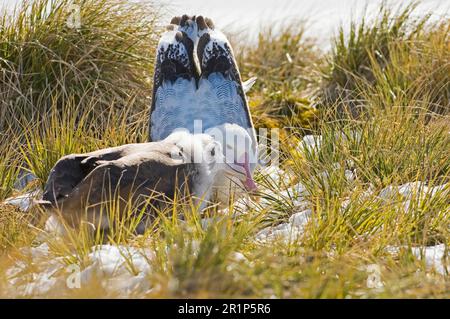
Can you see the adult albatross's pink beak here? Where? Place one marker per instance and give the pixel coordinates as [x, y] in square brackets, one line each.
[249, 183]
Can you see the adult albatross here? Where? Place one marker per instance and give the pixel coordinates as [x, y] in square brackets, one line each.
[197, 86]
[143, 176]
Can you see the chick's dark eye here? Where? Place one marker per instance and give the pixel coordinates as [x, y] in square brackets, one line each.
[213, 151]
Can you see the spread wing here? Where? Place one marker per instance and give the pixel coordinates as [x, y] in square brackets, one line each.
[220, 85]
[175, 78]
[185, 100]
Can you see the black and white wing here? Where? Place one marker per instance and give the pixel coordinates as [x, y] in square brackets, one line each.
[220, 88]
[184, 99]
[175, 79]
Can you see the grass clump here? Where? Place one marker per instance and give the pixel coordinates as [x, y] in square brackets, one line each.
[14, 228]
[9, 165]
[397, 54]
[284, 61]
[47, 58]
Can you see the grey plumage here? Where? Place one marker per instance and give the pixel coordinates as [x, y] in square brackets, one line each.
[79, 185]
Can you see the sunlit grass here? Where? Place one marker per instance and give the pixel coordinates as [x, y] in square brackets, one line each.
[397, 56]
[348, 183]
[47, 61]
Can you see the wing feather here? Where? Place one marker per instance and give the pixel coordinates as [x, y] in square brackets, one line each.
[198, 104]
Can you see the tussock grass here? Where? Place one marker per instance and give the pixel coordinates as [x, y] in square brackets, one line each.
[9, 165]
[394, 69]
[371, 151]
[49, 138]
[14, 230]
[397, 55]
[285, 62]
[47, 59]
